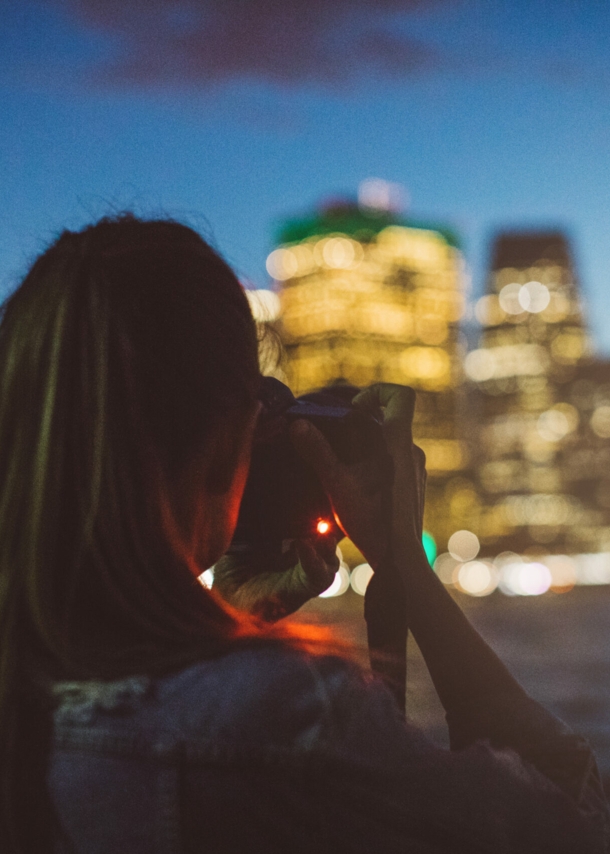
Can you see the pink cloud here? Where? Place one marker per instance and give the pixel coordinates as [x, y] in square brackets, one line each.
[200, 41]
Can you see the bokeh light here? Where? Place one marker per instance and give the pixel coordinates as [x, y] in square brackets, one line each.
[428, 365]
[509, 298]
[534, 579]
[477, 578]
[534, 297]
[600, 421]
[429, 544]
[445, 566]
[488, 310]
[553, 425]
[360, 577]
[563, 573]
[264, 304]
[339, 252]
[463, 545]
[282, 264]
[525, 579]
[339, 584]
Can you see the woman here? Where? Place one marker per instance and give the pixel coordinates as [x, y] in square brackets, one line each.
[138, 712]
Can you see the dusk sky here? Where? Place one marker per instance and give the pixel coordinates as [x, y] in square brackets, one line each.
[234, 114]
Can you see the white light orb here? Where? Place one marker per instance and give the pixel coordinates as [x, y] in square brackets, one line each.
[534, 297]
[339, 584]
[338, 252]
[534, 579]
[553, 425]
[477, 578]
[480, 365]
[463, 545]
[509, 299]
[444, 566]
[600, 422]
[509, 576]
[282, 264]
[379, 195]
[360, 577]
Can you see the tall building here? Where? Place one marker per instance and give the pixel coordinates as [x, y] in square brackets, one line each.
[367, 296]
[535, 403]
[585, 459]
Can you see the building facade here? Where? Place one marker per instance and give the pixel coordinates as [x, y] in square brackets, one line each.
[536, 389]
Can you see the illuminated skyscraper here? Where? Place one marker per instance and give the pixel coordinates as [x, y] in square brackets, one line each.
[367, 296]
[585, 460]
[533, 359]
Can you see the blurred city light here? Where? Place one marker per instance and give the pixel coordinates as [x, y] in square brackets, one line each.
[339, 584]
[534, 297]
[375, 194]
[445, 566]
[563, 573]
[264, 304]
[515, 431]
[282, 264]
[477, 578]
[429, 544]
[600, 422]
[509, 298]
[464, 545]
[360, 577]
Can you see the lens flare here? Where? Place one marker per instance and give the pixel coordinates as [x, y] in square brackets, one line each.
[323, 527]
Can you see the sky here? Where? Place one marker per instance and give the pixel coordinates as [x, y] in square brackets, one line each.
[233, 115]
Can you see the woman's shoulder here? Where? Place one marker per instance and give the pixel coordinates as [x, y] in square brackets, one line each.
[255, 694]
[260, 669]
[264, 692]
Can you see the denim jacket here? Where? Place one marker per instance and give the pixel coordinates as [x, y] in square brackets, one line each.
[269, 749]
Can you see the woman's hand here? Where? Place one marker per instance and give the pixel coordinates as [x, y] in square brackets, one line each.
[409, 462]
[376, 505]
[307, 569]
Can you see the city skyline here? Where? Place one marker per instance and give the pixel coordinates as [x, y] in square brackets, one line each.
[491, 114]
[516, 430]
[539, 423]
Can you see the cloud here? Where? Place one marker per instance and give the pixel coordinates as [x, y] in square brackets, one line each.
[284, 41]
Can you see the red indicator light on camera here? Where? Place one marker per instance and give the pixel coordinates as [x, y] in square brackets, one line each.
[323, 527]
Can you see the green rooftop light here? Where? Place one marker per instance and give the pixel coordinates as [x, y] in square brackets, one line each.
[347, 218]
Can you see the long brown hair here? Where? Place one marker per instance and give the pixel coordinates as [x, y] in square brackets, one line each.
[118, 353]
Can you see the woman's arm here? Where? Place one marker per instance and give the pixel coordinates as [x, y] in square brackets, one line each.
[461, 664]
[481, 698]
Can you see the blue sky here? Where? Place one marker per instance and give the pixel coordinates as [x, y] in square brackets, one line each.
[234, 115]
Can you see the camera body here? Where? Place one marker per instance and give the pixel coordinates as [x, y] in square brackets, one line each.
[283, 498]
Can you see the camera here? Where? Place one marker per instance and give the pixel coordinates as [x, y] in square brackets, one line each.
[283, 498]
